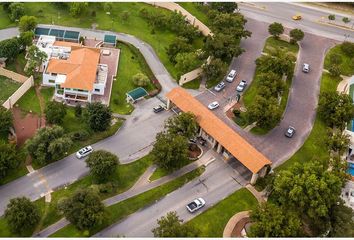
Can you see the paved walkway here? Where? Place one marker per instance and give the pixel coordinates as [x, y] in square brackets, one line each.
[232, 223]
[144, 179]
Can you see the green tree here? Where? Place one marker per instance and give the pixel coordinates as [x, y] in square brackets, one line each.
[26, 39]
[331, 17]
[337, 141]
[279, 62]
[6, 120]
[184, 124]
[141, 80]
[342, 221]
[78, 8]
[6, 6]
[275, 29]
[9, 159]
[334, 70]
[98, 116]
[296, 35]
[186, 62]
[271, 84]
[36, 58]
[55, 112]
[48, 144]
[265, 111]
[170, 151]
[84, 209]
[224, 7]
[108, 6]
[27, 23]
[10, 48]
[102, 165]
[335, 109]
[172, 226]
[346, 20]
[215, 69]
[310, 189]
[335, 58]
[21, 215]
[125, 16]
[270, 220]
[17, 10]
[348, 48]
[179, 45]
[78, 110]
[230, 24]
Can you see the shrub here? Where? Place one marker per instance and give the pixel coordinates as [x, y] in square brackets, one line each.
[80, 135]
[236, 112]
[348, 48]
[140, 80]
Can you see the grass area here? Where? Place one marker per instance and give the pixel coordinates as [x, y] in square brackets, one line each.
[347, 65]
[47, 93]
[5, 231]
[122, 209]
[272, 43]
[124, 178]
[194, 84]
[5, 21]
[7, 88]
[160, 172]
[213, 82]
[212, 222]
[29, 102]
[18, 64]
[196, 9]
[130, 63]
[314, 148]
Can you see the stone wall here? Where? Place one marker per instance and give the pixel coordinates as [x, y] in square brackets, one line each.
[190, 76]
[12, 75]
[27, 84]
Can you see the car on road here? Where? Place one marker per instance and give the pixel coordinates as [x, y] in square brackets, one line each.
[231, 76]
[213, 105]
[219, 87]
[195, 205]
[83, 152]
[241, 86]
[306, 67]
[290, 131]
[158, 108]
[297, 17]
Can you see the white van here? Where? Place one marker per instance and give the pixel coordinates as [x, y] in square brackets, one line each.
[231, 76]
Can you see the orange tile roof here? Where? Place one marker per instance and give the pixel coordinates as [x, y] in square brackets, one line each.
[80, 68]
[66, 44]
[250, 157]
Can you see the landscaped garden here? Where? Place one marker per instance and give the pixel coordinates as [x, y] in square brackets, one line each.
[7, 88]
[17, 65]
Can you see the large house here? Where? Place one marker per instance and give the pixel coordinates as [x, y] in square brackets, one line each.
[73, 69]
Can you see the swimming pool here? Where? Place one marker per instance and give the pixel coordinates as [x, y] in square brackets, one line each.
[351, 169]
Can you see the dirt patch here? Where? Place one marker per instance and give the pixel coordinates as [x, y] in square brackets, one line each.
[229, 112]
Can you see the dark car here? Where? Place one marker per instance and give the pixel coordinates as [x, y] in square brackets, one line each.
[158, 108]
[290, 132]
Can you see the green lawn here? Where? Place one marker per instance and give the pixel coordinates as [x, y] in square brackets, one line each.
[130, 63]
[124, 178]
[194, 84]
[5, 21]
[314, 147]
[347, 65]
[212, 222]
[197, 10]
[7, 88]
[29, 102]
[122, 209]
[47, 93]
[272, 43]
[160, 172]
[18, 64]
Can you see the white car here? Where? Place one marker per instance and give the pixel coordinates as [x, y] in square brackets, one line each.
[231, 76]
[241, 86]
[195, 205]
[213, 105]
[219, 87]
[83, 152]
[306, 68]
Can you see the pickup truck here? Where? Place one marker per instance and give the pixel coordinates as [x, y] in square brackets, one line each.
[195, 205]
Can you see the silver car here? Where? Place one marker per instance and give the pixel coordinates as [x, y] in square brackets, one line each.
[213, 105]
[241, 86]
[306, 68]
[219, 87]
[290, 132]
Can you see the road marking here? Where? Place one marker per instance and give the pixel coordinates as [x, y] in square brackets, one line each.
[211, 92]
[210, 161]
[36, 184]
[334, 25]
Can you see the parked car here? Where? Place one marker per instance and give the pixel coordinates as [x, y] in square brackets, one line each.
[306, 67]
[219, 87]
[83, 152]
[195, 205]
[297, 17]
[231, 76]
[290, 132]
[241, 86]
[213, 105]
[158, 108]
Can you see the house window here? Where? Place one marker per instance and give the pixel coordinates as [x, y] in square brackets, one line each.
[54, 74]
[97, 90]
[51, 81]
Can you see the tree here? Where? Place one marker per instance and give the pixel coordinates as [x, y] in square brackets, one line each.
[179, 45]
[171, 226]
[335, 109]
[78, 110]
[78, 8]
[224, 7]
[98, 116]
[275, 29]
[214, 70]
[17, 10]
[279, 62]
[26, 39]
[348, 48]
[184, 124]
[342, 221]
[6, 6]
[6, 120]
[331, 17]
[108, 6]
[334, 70]
[9, 159]
[335, 58]
[186, 62]
[296, 35]
[27, 23]
[337, 141]
[170, 151]
[48, 144]
[9, 48]
[141, 80]
[230, 24]
[346, 20]
[125, 16]
[271, 84]
[21, 215]
[55, 112]
[265, 111]
[36, 58]
[84, 209]
[310, 189]
[102, 165]
[270, 220]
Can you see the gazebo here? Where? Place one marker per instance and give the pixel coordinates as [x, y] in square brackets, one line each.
[136, 94]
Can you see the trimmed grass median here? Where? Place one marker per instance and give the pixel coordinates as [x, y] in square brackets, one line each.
[347, 64]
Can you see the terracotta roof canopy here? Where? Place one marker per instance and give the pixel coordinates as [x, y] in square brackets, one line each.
[244, 152]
